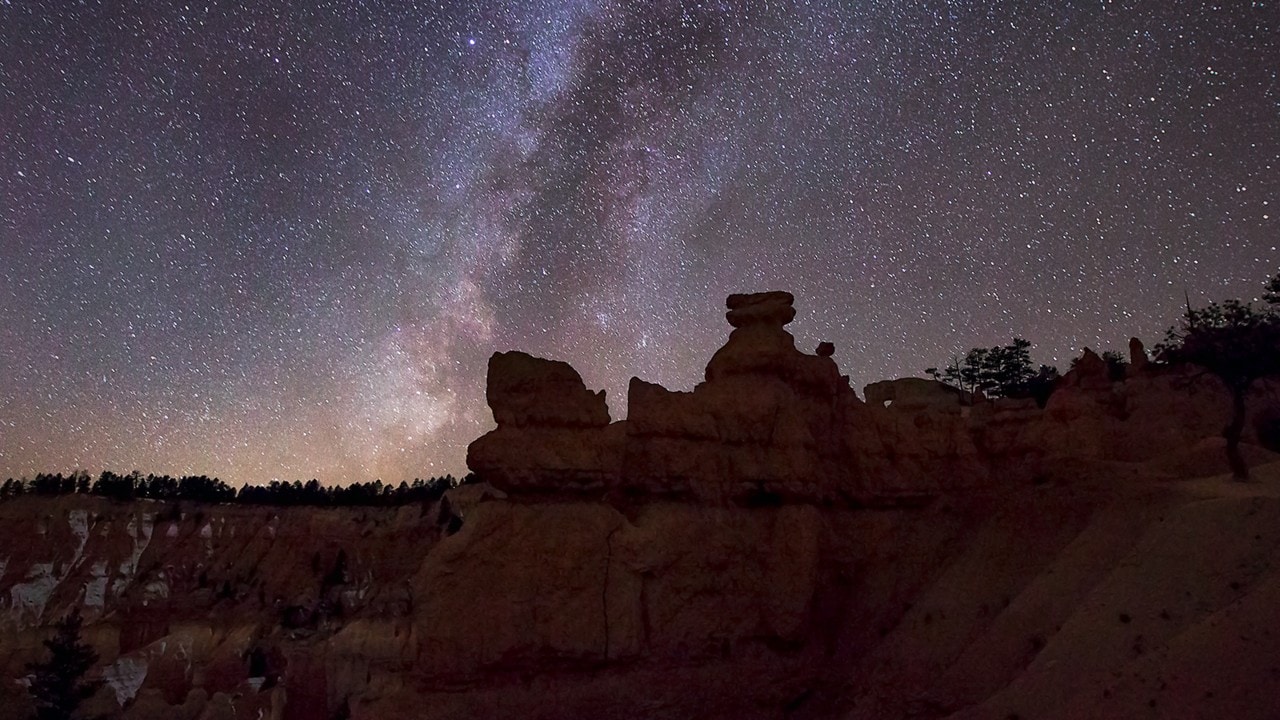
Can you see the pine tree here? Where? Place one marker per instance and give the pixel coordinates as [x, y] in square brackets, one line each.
[58, 685]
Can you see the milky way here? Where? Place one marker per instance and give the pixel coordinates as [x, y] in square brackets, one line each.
[282, 242]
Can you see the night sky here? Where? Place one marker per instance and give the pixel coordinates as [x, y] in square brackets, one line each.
[282, 242]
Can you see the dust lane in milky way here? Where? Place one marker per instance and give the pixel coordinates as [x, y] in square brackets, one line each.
[281, 242]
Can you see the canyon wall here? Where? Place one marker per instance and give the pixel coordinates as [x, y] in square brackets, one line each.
[766, 545]
[771, 424]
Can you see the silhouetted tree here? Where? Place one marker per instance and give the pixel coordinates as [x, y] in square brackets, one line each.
[58, 685]
[116, 487]
[1000, 371]
[1236, 342]
[1039, 386]
[12, 488]
[1116, 364]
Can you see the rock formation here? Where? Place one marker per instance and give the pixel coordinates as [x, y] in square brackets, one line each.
[916, 394]
[764, 545]
[769, 424]
[1138, 359]
[549, 425]
[773, 424]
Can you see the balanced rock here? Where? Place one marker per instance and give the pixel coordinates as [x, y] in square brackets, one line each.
[758, 344]
[772, 308]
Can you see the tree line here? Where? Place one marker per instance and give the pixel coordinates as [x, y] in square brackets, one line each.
[201, 488]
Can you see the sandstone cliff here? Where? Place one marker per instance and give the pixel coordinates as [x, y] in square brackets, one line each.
[765, 545]
[772, 424]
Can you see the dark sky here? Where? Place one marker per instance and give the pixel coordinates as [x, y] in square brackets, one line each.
[281, 242]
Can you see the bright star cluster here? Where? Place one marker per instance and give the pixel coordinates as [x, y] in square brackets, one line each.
[280, 240]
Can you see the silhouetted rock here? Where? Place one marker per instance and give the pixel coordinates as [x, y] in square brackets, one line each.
[552, 432]
[1090, 371]
[772, 424]
[914, 394]
[772, 309]
[525, 391]
[711, 556]
[1138, 359]
[758, 344]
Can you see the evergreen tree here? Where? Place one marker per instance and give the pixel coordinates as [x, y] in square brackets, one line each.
[58, 685]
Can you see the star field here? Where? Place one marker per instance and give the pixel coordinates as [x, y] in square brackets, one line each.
[282, 241]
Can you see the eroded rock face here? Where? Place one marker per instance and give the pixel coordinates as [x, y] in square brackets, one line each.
[709, 557]
[763, 426]
[771, 424]
[573, 608]
[915, 394]
[549, 425]
[525, 391]
[185, 602]
[306, 613]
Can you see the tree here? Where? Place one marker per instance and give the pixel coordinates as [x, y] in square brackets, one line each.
[1001, 371]
[1237, 343]
[58, 685]
[1271, 292]
[48, 484]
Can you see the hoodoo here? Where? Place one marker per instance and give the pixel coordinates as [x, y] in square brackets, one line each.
[764, 545]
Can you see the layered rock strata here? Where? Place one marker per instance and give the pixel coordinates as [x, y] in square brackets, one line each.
[766, 545]
[771, 424]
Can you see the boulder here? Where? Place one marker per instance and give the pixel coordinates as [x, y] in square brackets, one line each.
[767, 308]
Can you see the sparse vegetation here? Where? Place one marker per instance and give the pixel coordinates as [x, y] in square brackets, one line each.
[1232, 340]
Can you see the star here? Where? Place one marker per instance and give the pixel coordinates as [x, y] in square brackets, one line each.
[253, 245]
